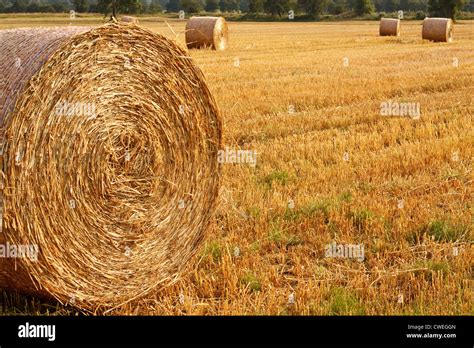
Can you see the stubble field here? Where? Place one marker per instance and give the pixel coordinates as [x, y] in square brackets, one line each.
[331, 169]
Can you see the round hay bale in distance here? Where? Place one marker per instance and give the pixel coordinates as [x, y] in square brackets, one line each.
[389, 27]
[437, 29]
[202, 32]
[110, 139]
[129, 19]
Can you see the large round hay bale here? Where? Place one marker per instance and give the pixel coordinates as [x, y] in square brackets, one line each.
[389, 27]
[211, 32]
[129, 19]
[437, 29]
[110, 140]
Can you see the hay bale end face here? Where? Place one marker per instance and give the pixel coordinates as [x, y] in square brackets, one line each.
[110, 139]
[207, 32]
[129, 19]
[438, 29]
[389, 27]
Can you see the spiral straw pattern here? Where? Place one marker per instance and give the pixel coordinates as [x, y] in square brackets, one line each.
[110, 139]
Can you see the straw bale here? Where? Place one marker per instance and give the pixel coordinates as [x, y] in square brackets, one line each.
[109, 162]
[207, 32]
[130, 19]
[437, 29]
[389, 27]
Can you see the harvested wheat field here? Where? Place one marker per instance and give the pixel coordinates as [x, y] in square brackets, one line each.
[352, 140]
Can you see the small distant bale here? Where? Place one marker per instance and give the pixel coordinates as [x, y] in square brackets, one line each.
[130, 19]
[207, 32]
[437, 29]
[389, 27]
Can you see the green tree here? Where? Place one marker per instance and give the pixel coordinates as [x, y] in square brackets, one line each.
[191, 6]
[234, 5]
[61, 7]
[314, 8]
[33, 8]
[121, 6]
[337, 7]
[81, 5]
[405, 5]
[391, 5]
[212, 5]
[363, 7]
[173, 6]
[229, 5]
[445, 8]
[155, 6]
[47, 8]
[255, 6]
[163, 3]
[244, 5]
[129, 6]
[18, 6]
[276, 7]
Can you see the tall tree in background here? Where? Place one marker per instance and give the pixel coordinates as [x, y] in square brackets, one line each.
[223, 5]
[173, 6]
[81, 5]
[445, 8]
[391, 5]
[122, 6]
[229, 5]
[234, 5]
[19, 6]
[314, 8]
[405, 5]
[244, 5]
[255, 6]
[212, 5]
[277, 7]
[155, 6]
[163, 3]
[363, 7]
[338, 7]
[191, 6]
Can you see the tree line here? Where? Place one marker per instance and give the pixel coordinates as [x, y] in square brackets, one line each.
[316, 8]
[312, 9]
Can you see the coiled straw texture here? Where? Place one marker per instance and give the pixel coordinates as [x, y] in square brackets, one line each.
[109, 155]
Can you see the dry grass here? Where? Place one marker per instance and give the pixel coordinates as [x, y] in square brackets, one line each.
[425, 162]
